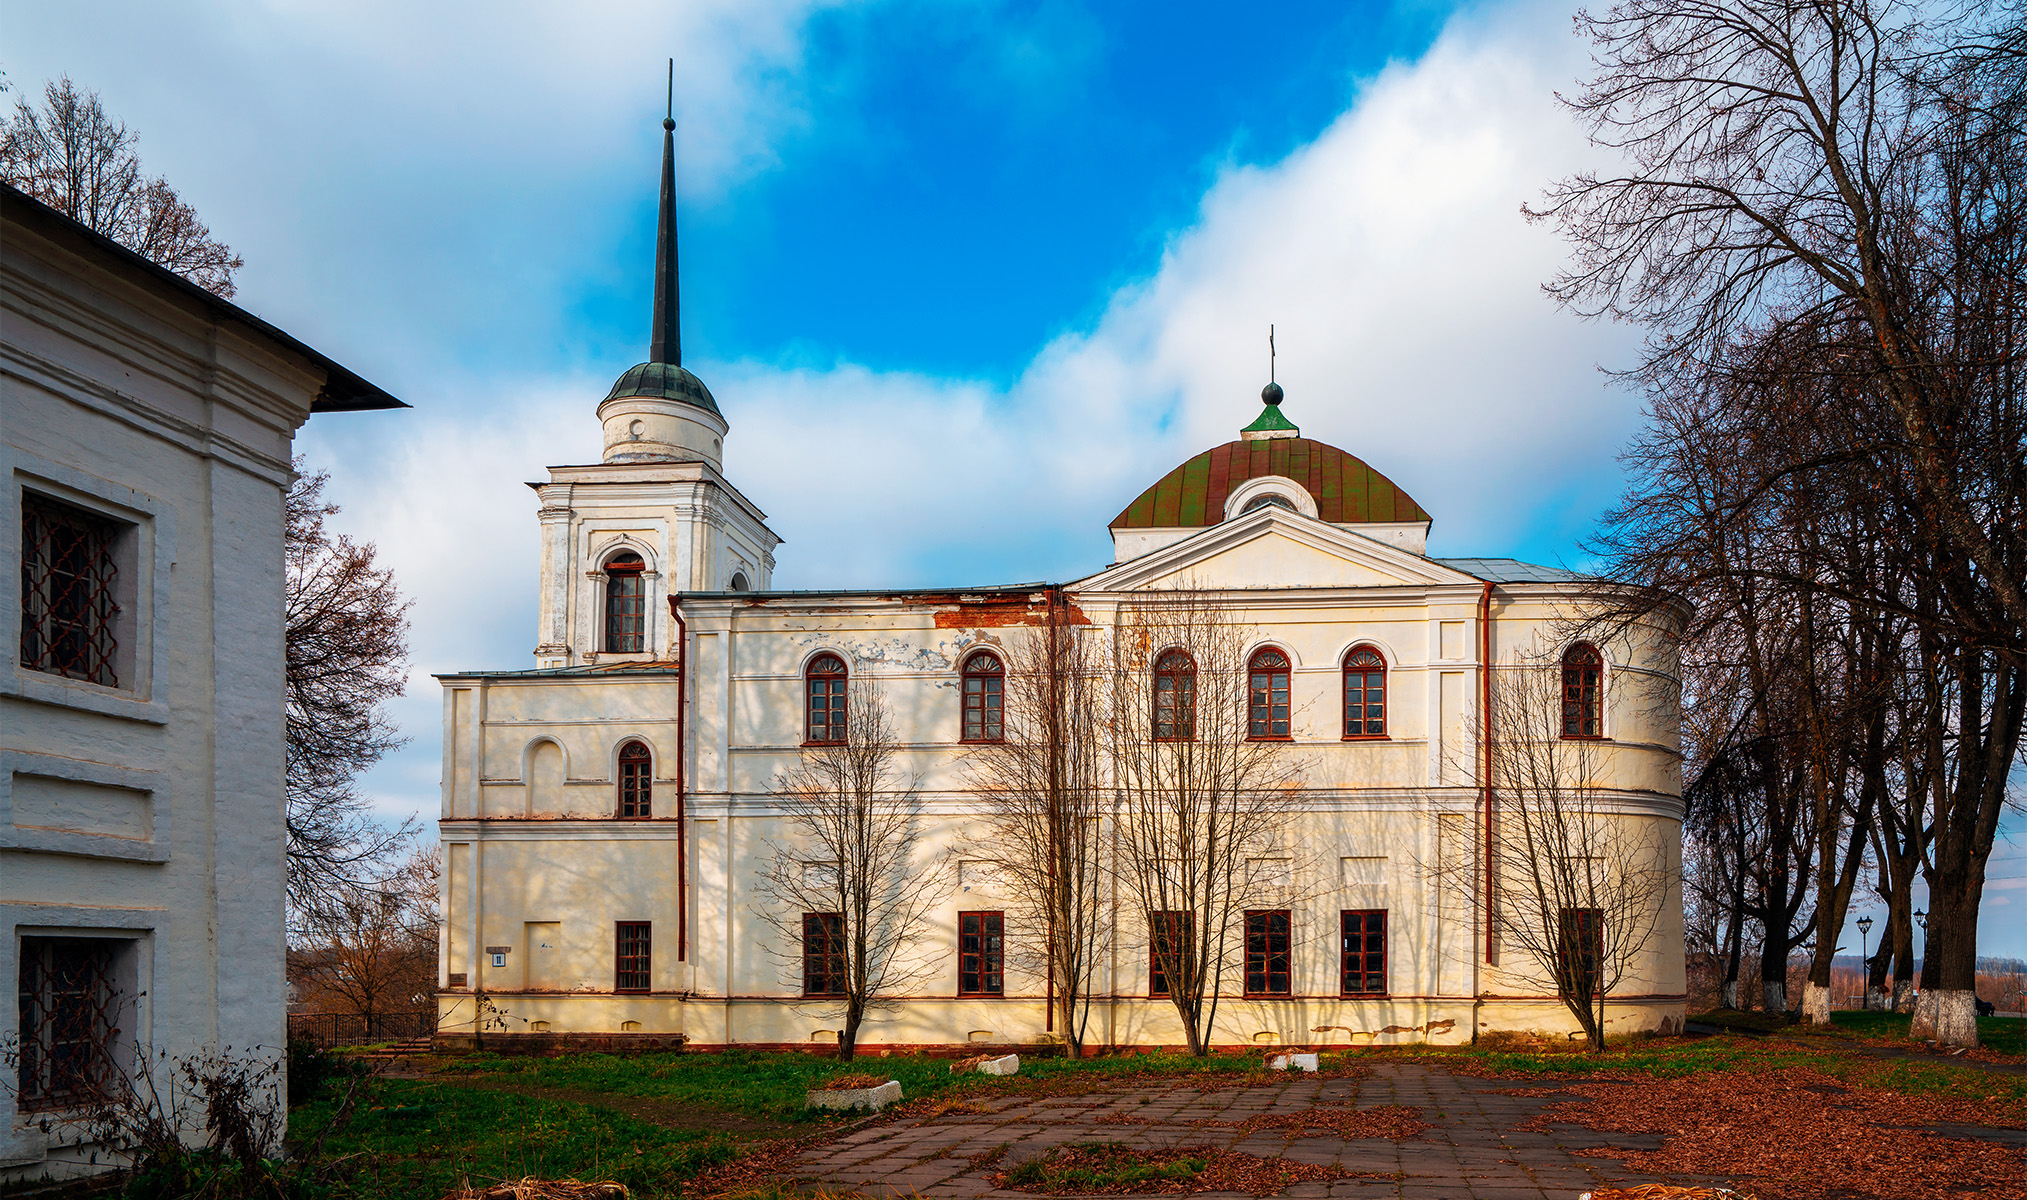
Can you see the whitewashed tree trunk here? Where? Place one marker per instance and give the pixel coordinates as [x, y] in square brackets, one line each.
[1815, 1004]
[1923, 1029]
[1903, 995]
[1727, 996]
[1774, 995]
[1955, 1015]
[1875, 999]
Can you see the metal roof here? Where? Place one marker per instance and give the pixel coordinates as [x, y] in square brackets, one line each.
[1346, 490]
[343, 391]
[590, 670]
[1512, 570]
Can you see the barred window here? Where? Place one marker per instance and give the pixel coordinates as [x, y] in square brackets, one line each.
[1174, 697]
[1580, 951]
[626, 604]
[984, 698]
[1168, 949]
[1583, 671]
[636, 781]
[1364, 964]
[1268, 715]
[68, 581]
[825, 685]
[68, 1022]
[1269, 957]
[636, 954]
[823, 954]
[1365, 693]
[981, 954]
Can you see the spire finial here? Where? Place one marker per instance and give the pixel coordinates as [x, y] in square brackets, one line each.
[1272, 392]
[1270, 353]
[665, 342]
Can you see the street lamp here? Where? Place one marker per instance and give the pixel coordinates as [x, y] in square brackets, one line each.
[1864, 964]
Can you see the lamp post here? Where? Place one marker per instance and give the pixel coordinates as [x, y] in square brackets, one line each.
[1864, 964]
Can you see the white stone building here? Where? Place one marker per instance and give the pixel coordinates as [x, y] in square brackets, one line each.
[145, 427]
[607, 815]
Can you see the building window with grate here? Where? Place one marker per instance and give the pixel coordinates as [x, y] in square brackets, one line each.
[1580, 951]
[1365, 694]
[823, 954]
[626, 604]
[1174, 697]
[68, 1021]
[1169, 944]
[984, 696]
[981, 954]
[824, 684]
[69, 584]
[1268, 709]
[636, 781]
[1583, 673]
[636, 957]
[1269, 957]
[1364, 965]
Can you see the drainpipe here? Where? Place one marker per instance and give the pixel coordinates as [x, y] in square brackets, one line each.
[682, 808]
[1485, 747]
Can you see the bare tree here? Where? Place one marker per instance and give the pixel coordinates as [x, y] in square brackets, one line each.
[1042, 789]
[1202, 804]
[1583, 889]
[347, 654]
[72, 156]
[374, 954]
[848, 894]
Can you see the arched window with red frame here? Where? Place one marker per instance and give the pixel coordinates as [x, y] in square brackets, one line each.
[1583, 692]
[636, 782]
[1174, 697]
[1365, 693]
[626, 604]
[1267, 710]
[984, 698]
[824, 686]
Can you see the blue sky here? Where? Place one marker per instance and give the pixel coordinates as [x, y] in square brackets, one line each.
[1020, 254]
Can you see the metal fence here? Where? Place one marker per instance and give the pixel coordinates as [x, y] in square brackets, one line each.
[355, 1029]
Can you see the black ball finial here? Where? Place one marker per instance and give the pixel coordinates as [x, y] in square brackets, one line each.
[669, 123]
[1271, 393]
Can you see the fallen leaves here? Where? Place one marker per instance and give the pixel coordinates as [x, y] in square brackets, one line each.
[1395, 1121]
[1113, 1169]
[543, 1189]
[1798, 1134]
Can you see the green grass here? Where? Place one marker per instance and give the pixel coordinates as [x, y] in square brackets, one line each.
[1091, 1166]
[2003, 1035]
[420, 1140]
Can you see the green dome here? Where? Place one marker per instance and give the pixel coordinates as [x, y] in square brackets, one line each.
[1345, 489]
[664, 381]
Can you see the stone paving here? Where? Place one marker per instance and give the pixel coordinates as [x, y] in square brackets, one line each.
[1474, 1147]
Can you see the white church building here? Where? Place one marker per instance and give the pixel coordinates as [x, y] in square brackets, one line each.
[608, 813]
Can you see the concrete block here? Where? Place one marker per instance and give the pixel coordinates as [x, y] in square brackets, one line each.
[875, 1098]
[1009, 1065]
[1292, 1062]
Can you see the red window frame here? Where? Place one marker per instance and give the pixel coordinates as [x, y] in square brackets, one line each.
[984, 698]
[1270, 954]
[1580, 950]
[1174, 696]
[823, 954]
[1267, 711]
[69, 585]
[633, 953]
[1362, 952]
[981, 954]
[626, 604]
[1365, 694]
[825, 707]
[1583, 690]
[636, 781]
[1174, 929]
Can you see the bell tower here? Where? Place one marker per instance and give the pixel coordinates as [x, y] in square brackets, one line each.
[656, 515]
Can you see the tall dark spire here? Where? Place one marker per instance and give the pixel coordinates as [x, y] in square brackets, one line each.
[665, 344]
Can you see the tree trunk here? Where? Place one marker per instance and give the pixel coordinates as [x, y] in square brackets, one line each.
[848, 1037]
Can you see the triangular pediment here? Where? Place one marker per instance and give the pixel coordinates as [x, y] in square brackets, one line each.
[1272, 547]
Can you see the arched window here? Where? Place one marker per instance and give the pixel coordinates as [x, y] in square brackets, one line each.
[825, 688]
[1271, 499]
[984, 695]
[626, 604]
[1174, 697]
[636, 781]
[1268, 709]
[739, 583]
[1583, 691]
[1365, 693]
